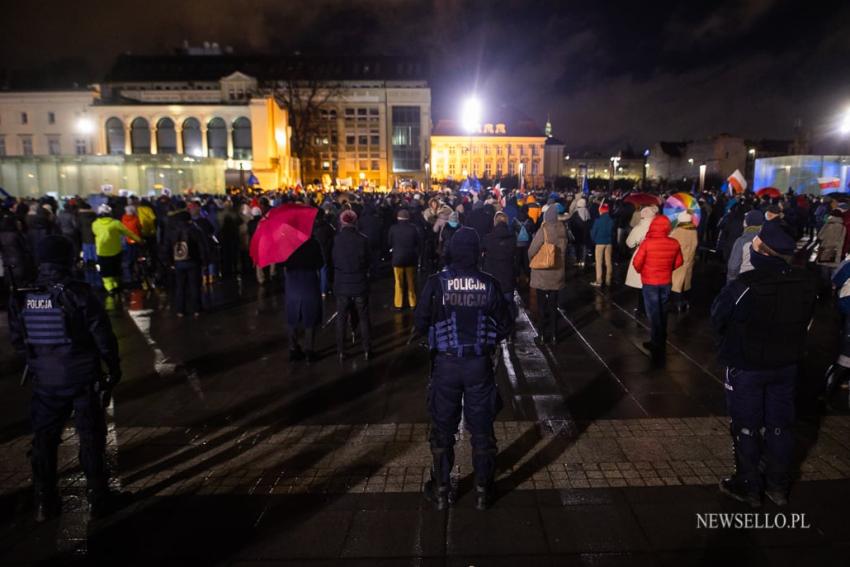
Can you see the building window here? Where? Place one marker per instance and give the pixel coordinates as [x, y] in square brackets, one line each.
[166, 136]
[26, 145]
[363, 140]
[114, 136]
[451, 168]
[373, 112]
[140, 136]
[349, 112]
[500, 129]
[53, 148]
[242, 146]
[51, 118]
[326, 166]
[487, 169]
[406, 150]
[534, 168]
[2, 146]
[350, 140]
[216, 138]
[81, 147]
[361, 112]
[376, 166]
[364, 166]
[24, 118]
[375, 140]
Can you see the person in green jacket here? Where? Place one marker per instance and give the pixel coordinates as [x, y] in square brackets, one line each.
[107, 240]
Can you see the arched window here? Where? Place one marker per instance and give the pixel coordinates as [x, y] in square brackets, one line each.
[242, 138]
[140, 136]
[115, 136]
[193, 143]
[166, 136]
[217, 138]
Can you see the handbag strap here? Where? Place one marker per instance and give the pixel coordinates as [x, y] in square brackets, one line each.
[545, 233]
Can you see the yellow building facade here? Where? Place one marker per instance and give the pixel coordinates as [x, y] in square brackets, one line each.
[493, 150]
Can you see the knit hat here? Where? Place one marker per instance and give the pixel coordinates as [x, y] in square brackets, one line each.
[684, 217]
[464, 248]
[754, 218]
[603, 209]
[403, 214]
[55, 249]
[104, 209]
[500, 217]
[348, 217]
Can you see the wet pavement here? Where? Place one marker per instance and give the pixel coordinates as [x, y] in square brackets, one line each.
[238, 456]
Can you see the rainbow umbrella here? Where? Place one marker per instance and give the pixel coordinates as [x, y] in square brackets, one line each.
[680, 202]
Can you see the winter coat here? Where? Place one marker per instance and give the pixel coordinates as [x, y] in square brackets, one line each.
[351, 262]
[739, 261]
[556, 233]
[405, 242]
[132, 223]
[147, 221]
[686, 235]
[303, 297]
[481, 219]
[39, 226]
[181, 227]
[14, 250]
[658, 254]
[633, 240]
[85, 218]
[369, 223]
[107, 236]
[499, 248]
[602, 231]
[832, 236]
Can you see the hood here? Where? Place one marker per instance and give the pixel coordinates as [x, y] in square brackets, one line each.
[464, 248]
[52, 273]
[104, 220]
[551, 215]
[659, 228]
[648, 212]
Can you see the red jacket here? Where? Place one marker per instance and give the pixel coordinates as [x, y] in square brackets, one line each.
[658, 254]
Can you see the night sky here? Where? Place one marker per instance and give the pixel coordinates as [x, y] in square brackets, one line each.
[609, 73]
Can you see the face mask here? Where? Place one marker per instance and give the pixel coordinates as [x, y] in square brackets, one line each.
[453, 224]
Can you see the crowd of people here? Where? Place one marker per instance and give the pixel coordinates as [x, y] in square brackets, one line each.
[521, 240]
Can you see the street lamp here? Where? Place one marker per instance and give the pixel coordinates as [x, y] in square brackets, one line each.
[427, 177]
[844, 124]
[85, 126]
[521, 181]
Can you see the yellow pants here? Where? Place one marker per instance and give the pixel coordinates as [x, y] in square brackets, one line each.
[110, 283]
[402, 275]
[603, 263]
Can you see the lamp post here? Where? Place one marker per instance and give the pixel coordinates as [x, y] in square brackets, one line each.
[427, 177]
[521, 180]
[751, 166]
[615, 163]
[645, 169]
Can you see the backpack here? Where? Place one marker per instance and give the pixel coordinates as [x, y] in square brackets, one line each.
[180, 249]
[522, 235]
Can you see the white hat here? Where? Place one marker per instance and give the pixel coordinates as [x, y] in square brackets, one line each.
[684, 217]
[104, 209]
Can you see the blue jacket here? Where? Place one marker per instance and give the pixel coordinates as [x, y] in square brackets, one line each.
[602, 231]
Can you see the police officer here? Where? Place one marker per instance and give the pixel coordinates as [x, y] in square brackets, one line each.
[465, 315]
[762, 318]
[62, 329]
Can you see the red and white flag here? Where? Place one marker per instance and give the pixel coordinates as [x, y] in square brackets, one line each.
[829, 183]
[737, 182]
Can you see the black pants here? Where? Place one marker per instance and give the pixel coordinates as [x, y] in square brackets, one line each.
[49, 410]
[547, 313]
[187, 291]
[467, 385]
[358, 307]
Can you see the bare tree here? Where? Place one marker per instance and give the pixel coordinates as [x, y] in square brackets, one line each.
[303, 99]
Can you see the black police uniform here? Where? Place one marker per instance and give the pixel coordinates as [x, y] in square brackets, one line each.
[62, 329]
[762, 318]
[465, 315]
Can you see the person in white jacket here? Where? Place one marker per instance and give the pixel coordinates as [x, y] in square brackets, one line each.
[633, 240]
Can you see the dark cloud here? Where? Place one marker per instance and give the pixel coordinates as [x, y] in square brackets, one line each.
[608, 73]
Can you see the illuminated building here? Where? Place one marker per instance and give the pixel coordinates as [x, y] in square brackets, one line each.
[494, 149]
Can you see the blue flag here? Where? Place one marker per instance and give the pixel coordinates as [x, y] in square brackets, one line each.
[585, 187]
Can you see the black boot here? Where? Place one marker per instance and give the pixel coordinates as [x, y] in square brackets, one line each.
[47, 503]
[485, 494]
[438, 490]
[437, 494]
[738, 490]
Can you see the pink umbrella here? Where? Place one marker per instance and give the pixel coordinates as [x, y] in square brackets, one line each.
[281, 232]
[771, 192]
[642, 199]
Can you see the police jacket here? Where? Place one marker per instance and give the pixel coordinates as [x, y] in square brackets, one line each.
[462, 312]
[762, 318]
[62, 329]
[351, 262]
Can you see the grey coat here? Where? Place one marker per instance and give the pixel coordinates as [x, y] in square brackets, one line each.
[553, 278]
